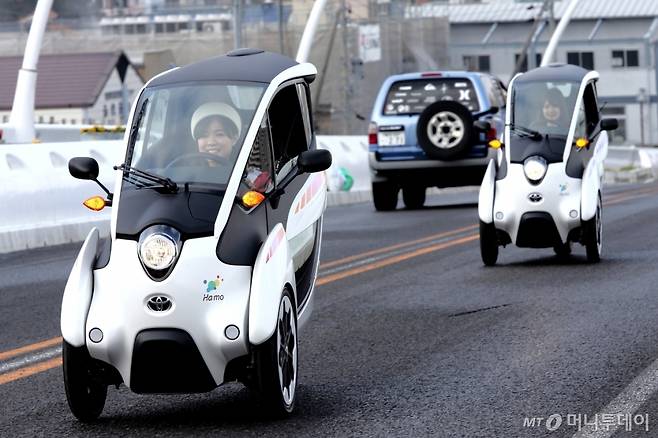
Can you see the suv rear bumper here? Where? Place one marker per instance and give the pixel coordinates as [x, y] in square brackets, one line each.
[464, 172]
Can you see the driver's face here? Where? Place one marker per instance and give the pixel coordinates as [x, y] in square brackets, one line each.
[551, 112]
[215, 140]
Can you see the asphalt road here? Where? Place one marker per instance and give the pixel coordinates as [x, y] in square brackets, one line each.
[414, 338]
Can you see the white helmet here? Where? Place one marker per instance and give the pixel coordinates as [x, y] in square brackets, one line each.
[216, 109]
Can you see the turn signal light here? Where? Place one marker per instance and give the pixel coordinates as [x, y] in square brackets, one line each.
[372, 133]
[495, 144]
[95, 203]
[252, 199]
[582, 142]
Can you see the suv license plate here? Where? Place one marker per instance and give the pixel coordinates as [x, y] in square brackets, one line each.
[391, 138]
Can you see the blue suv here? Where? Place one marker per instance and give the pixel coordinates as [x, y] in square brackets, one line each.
[424, 132]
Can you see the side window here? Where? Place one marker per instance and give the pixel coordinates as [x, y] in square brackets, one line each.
[302, 92]
[581, 123]
[258, 173]
[287, 130]
[503, 92]
[591, 108]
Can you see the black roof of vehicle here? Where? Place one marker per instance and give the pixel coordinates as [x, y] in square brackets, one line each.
[252, 65]
[554, 72]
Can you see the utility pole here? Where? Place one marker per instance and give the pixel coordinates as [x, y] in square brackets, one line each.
[348, 76]
[539, 18]
[281, 26]
[237, 23]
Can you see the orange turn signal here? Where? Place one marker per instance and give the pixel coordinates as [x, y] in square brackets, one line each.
[95, 203]
[582, 142]
[252, 199]
[495, 144]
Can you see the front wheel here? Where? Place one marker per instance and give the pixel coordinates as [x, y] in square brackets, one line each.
[85, 392]
[488, 244]
[276, 362]
[593, 235]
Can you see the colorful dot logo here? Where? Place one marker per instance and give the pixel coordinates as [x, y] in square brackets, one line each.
[212, 285]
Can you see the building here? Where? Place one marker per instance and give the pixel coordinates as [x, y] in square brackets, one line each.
[618, 39]
[80, 88]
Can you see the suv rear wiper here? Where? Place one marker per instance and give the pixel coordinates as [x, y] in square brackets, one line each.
[148, 179]
[527, 132]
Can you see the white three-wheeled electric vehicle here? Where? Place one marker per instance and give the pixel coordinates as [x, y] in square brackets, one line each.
[544, 188]
[209, 269]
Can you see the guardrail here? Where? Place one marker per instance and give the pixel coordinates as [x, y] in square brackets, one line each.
[41, 204]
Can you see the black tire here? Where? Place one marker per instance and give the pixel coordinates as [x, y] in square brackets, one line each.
[385, 196]
[593, 235]
[276, 369]
[413, 197]
[85, 392]
[562, 249]
[488, 244]
[445, 130]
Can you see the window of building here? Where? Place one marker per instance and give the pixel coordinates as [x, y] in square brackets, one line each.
[618, 136]
[113, 109]
[51, 120]
[40, 119]
[625, 58]
[5, 119]
[524, 65]
[477, 62]
[170, 27]
[63, 121]
[583, 59]
[141, 28]
[159, 27]
[74, 121]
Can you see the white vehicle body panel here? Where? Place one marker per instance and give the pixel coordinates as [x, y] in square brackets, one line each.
[122, 290]
[78, 292]
[272, 272]
[487, 193]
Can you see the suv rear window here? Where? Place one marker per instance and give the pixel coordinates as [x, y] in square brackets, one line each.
[412, 97]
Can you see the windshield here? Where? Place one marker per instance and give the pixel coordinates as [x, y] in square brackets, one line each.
[191, 133]
[543, 108]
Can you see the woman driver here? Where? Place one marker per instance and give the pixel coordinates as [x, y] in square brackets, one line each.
[553, 113]
[216, 128]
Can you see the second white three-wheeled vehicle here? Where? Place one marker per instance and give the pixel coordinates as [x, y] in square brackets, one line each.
[544, 188]
[209, 270]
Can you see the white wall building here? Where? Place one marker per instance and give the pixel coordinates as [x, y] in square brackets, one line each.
[81, 88]
[616, 38]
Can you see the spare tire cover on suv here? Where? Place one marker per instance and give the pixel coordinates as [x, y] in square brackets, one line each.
[445, 130]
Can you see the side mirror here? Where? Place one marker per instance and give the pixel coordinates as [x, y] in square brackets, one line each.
[313, 161]
[609, 124]
[87, 168]
[83, 168]
[482, 126]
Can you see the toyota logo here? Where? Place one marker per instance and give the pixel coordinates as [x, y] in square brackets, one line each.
[159, 303]
[535, 197]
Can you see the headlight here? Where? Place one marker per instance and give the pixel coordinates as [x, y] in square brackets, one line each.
[535, 168]
[158, 247]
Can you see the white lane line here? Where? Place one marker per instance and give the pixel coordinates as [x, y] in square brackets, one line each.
[641, 389]
[32, 358]
[388, 254]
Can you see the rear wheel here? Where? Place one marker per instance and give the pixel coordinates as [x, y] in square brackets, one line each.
[276, 362]
[593, 235]
[385, 196]
[488, 244]
[85, 392]
[413, 197]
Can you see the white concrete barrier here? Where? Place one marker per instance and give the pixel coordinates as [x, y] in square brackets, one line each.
[41, 203]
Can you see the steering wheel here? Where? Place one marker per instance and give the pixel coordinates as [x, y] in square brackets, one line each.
[198, 156]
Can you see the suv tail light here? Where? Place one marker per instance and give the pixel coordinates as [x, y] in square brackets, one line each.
[491, 134]
[372, 133]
